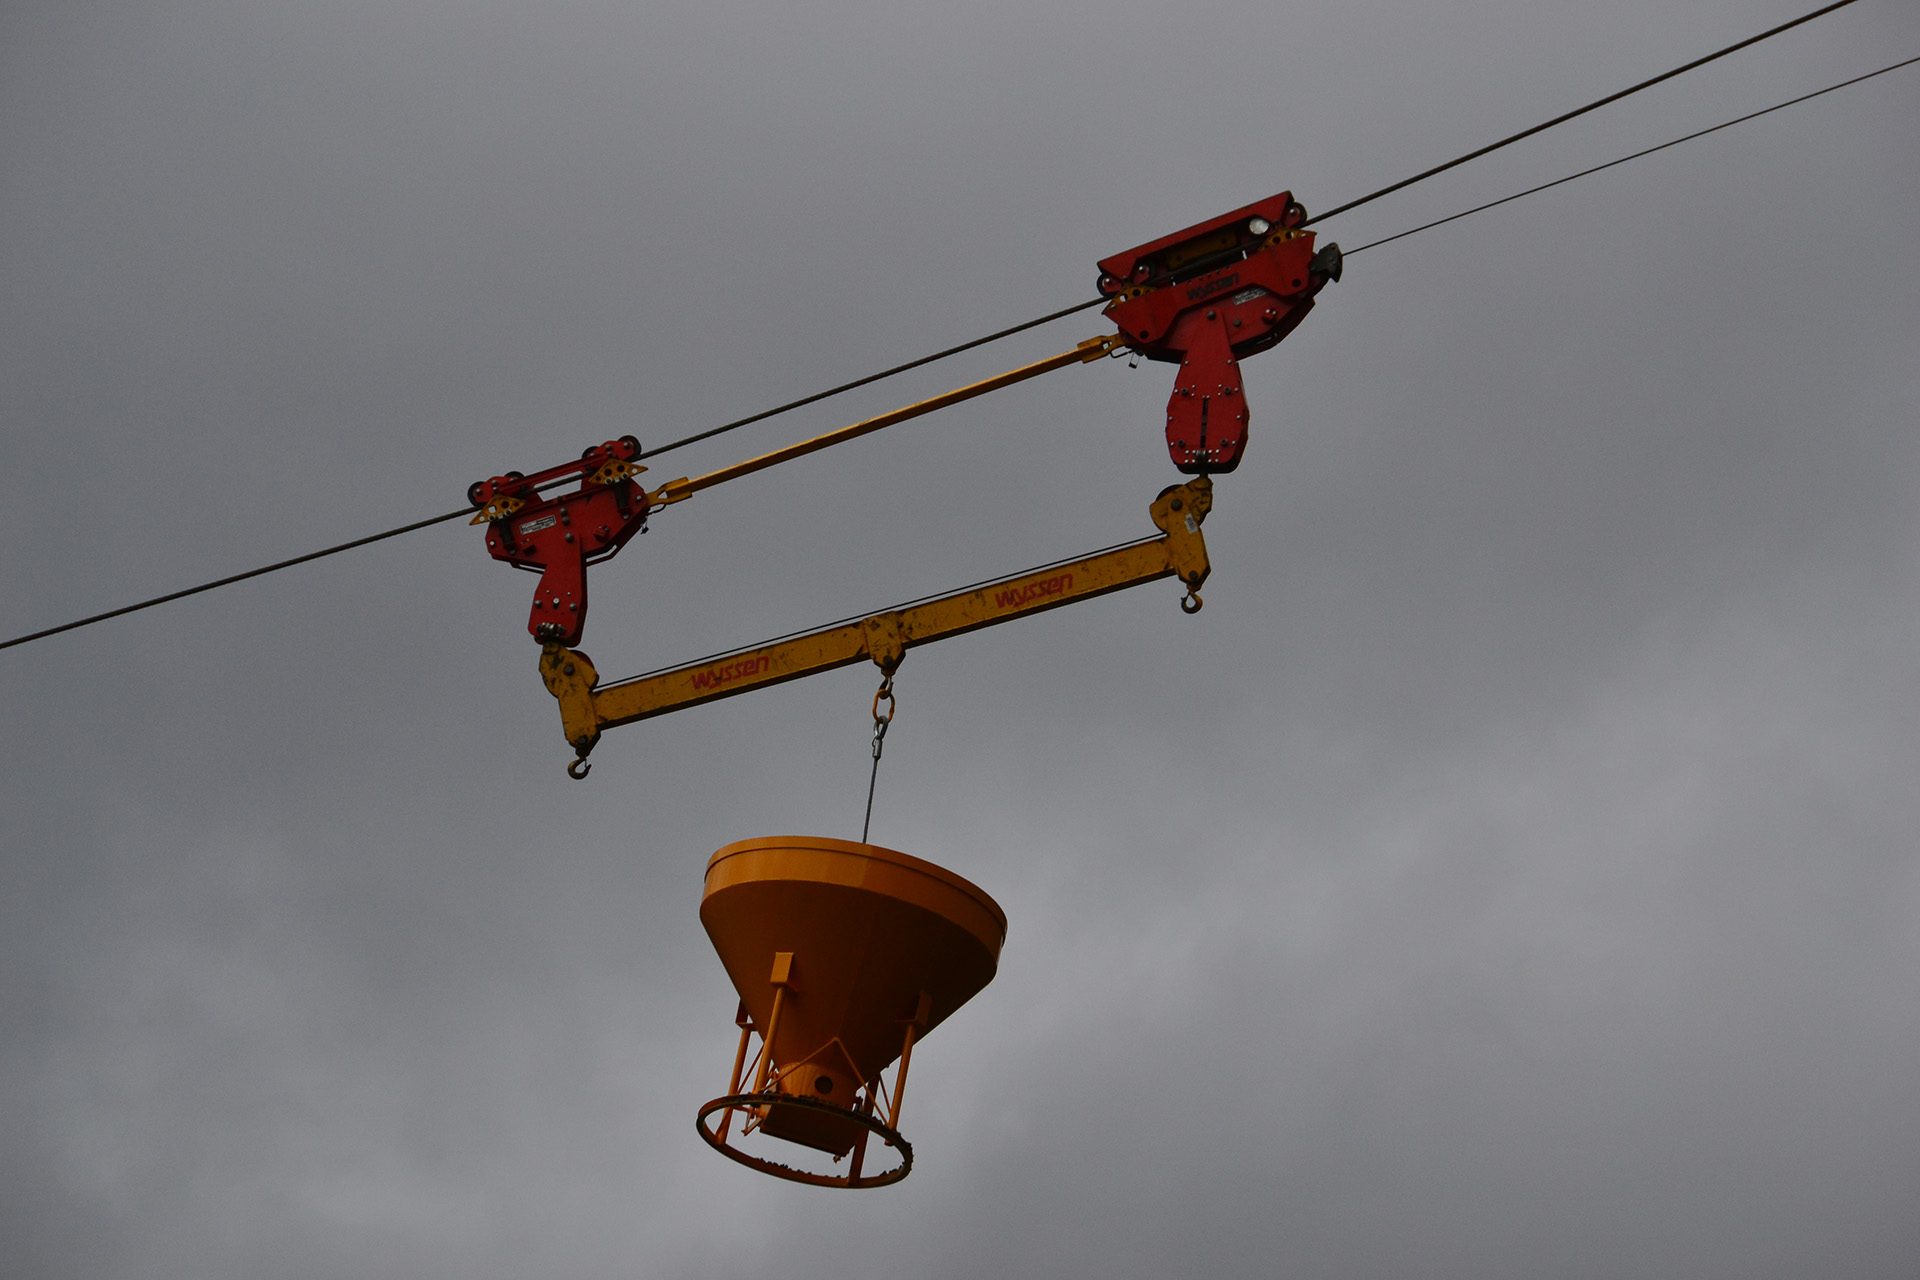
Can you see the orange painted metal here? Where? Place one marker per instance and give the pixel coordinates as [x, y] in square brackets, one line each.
[846, 956]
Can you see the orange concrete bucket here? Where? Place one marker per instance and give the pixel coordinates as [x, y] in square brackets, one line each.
[845, 956]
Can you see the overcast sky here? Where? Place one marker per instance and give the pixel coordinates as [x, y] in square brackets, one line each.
[1511, 872]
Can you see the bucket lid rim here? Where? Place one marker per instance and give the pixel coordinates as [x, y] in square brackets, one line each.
[874, 852]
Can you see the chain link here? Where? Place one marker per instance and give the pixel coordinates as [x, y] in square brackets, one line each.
[880, 725]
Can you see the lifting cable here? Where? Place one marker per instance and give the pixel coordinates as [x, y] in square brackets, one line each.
[1046, 319]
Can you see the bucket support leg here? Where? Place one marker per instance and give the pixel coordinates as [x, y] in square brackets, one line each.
[922, 1013]
[745, 1023]
[782, 975]
[860, 1143]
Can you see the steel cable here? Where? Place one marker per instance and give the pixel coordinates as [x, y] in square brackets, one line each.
[1699, 133]
[1577, 112]
[228, 581]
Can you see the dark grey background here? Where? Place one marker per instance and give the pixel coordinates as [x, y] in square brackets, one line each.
[1511, 872]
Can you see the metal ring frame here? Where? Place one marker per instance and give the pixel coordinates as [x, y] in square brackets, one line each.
[873, 1124]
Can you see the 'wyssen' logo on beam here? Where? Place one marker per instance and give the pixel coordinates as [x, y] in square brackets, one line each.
[1014, 597]
[727, 673]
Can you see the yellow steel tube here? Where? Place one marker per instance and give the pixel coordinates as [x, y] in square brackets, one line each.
[1084, 353]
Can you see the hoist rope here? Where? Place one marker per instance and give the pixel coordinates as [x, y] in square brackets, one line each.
[881, 723]
[711, 432]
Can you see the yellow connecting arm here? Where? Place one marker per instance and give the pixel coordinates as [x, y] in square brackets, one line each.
[586, 710]
[1084, 353]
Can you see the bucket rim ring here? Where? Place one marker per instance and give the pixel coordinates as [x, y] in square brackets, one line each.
[896, 858]
[871, 1123]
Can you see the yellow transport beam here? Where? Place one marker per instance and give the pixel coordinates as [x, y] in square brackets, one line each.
[586, 710]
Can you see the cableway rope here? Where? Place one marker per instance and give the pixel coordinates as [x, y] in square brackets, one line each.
[1576, 112]
[184, 592]
[1701, 133]
[1009, 331]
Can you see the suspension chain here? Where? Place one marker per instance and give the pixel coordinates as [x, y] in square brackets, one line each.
[880, 723]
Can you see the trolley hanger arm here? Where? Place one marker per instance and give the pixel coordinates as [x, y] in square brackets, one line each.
[586, 711]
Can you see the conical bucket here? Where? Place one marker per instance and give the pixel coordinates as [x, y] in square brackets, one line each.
[845, 956]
